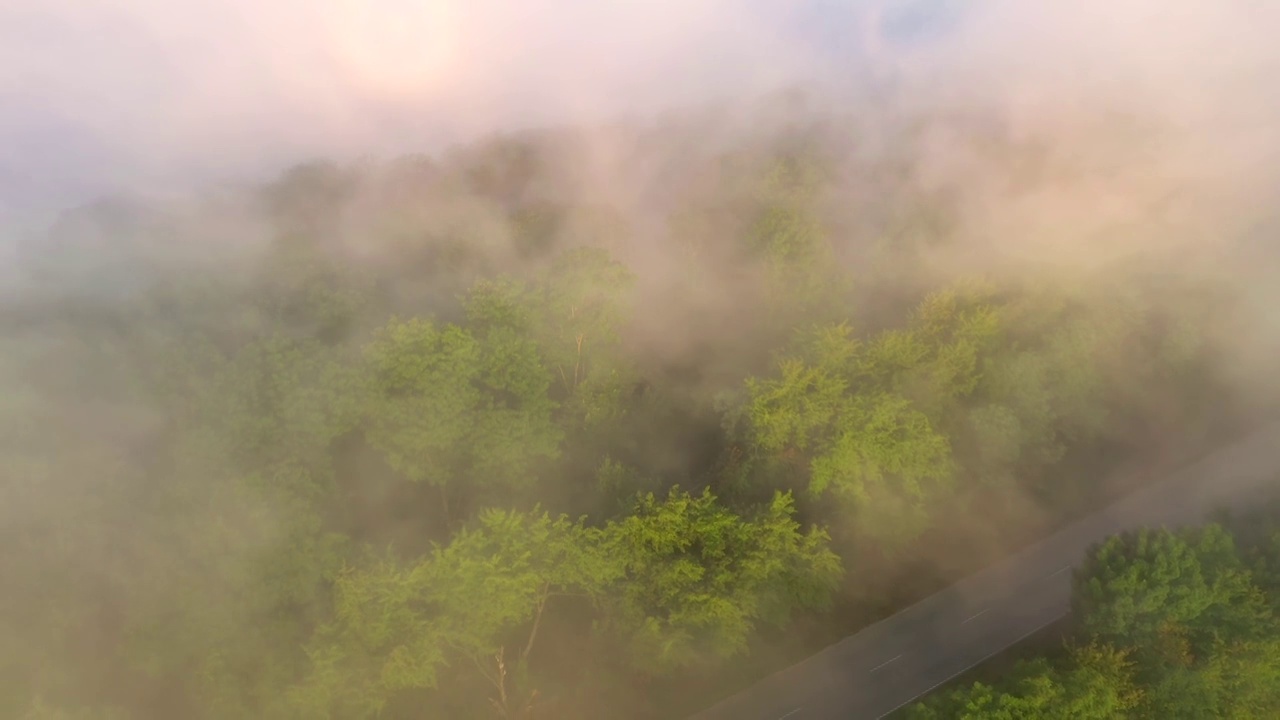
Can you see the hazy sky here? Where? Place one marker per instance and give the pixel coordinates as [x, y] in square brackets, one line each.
[128, 91]
[95, 89]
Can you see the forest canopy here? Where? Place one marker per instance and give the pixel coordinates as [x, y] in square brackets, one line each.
[506, 432]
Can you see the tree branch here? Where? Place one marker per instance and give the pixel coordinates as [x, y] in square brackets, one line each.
[537, 620]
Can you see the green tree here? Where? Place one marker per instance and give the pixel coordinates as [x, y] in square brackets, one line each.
[940, 357]
[1175, 628]
[450, 406]
[396, 627]
[849, 432]
[698, 578]
[279, 402]
[300, 290]
[1249, 677]
[802, 276]
[1046, 386]
[1147, 588]
[1095, 683]
[574, 311]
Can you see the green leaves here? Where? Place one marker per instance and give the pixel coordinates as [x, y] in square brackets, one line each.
[1095, 683]
[449, 405]
[1069, 369]
[280, 401]
[1139, 587]
[1174, 626]
[200, 460]
[801, 274]
[882, 439]
[425, 397]
[677, 582]
[573, 313]
[699, 578]
[397, 626]
[860, 413]
[501, 572]
[797, 409]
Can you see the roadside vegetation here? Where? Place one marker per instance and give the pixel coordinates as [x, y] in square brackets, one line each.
[1164, 624]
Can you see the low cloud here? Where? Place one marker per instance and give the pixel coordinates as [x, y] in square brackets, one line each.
[160, 86]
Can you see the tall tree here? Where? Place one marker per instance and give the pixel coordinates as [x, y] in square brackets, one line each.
[398, 626]
[802, 276]
[698, 578]
[574, 311]
[1148, 588]
[851, 433]
[449, 406]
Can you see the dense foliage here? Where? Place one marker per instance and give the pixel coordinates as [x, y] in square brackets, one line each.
[460, 438]
[1167, 624]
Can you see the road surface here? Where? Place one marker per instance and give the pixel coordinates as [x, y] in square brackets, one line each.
[888, 665]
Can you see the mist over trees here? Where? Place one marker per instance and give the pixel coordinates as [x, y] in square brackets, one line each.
[589, 422]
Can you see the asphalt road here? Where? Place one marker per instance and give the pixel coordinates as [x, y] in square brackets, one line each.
[888, 665]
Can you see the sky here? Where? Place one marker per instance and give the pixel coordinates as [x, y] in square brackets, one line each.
[133, 91]
[96, 94]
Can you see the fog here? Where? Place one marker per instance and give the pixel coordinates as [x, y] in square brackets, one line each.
[172, 172]
[225, 86]
[130, 95]
[160, 88]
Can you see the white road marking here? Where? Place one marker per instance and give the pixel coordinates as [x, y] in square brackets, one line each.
[1059, 572]
[793, 712]
[886, 662]
[975, 617]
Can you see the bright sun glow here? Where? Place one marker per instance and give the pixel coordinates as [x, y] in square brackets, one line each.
[395, 46]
